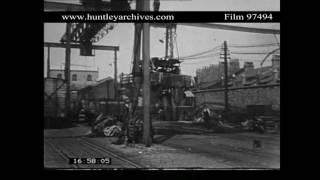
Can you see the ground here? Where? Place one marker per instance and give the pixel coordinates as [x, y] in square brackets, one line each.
[176, 145]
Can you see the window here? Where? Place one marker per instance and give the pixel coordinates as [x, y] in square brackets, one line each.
[59, 76]
[89, 77]
[74, 77]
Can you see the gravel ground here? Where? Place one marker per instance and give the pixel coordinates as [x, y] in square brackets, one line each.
[180, 150]
[160, 156]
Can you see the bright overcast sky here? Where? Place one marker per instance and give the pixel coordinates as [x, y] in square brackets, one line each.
[190, 40]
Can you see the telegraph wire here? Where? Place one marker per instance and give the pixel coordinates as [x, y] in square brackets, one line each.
[275, 36]
[202, 53]
[250, 53]
[253, 45]
[269, 54]
[200, 57]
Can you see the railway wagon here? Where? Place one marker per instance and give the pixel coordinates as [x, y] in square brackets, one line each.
[54, 102]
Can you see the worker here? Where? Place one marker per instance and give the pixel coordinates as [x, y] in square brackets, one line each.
[206, 116]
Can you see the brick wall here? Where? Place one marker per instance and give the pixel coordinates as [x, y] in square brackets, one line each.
[241, 97]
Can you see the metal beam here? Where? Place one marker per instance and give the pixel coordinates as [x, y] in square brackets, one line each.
[97, 47]
[232, 28]
[85, 32]
[57, 6]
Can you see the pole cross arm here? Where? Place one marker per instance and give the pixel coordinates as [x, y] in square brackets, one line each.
[97, 47]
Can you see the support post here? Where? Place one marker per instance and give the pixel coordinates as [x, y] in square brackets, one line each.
[226, 78]
[167, 42]
[67, 70]
[171, 42]
[48, 62]
[116, 91]
[146, 79]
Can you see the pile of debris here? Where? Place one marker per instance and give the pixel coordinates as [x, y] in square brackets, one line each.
[216, 119]
[105, 125]
[110, 126]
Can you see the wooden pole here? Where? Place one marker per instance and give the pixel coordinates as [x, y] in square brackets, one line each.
[67, 69]
[167, 42]
[48, 62]
[146, 79]
[171, 42]
[116, 92]
[226, 77]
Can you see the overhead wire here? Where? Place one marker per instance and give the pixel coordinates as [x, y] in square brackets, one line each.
[205, 61]
[275, 36]
[199, 57]
[201, 53]
[252, 45]
[250, 53]
[199, 62]
[269, 54]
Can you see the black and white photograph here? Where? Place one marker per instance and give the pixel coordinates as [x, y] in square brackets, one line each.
[189, 95]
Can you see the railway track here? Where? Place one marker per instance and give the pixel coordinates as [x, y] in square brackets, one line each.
[111, 154]
[82, 148]
[60, 152]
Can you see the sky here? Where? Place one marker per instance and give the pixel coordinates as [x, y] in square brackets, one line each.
[190, 40]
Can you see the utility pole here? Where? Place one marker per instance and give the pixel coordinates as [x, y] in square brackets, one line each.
[226, 77]
[116, 92]
[171, 42]
[115, 75]
[67, 69]
[48, 62]
[146, 79]
[167, 42]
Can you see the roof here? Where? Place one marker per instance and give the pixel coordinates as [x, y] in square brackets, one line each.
[104, 80]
